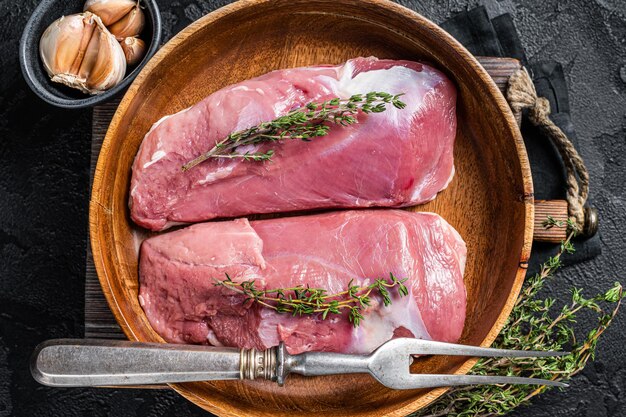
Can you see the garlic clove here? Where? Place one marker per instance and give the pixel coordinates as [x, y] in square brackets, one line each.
[80, 52]
[129, 25]
[110, 11]
[134, 50]
[91, 55]
[109, 67]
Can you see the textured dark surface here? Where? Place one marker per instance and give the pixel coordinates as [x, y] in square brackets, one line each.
[44, 159]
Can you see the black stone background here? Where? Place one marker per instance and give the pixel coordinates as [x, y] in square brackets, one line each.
[44, 157]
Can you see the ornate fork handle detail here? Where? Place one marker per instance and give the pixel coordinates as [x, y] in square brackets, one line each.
[258, 364]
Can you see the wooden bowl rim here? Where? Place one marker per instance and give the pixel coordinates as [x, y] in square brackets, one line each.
[216, 405]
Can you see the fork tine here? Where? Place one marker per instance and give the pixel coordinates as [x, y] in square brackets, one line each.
[429, 347]
[414, 381]
[389, 366]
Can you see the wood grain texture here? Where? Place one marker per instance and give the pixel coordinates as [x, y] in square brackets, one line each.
[557, 209]
[99, 321]
[489, 200]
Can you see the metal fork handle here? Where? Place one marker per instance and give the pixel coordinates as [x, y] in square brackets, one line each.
[84, 362]
[326, 363]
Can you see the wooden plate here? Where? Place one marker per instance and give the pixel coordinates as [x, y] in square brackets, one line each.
[489, 201]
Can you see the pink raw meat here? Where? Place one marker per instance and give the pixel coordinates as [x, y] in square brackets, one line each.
[178, 271]
[393, 159]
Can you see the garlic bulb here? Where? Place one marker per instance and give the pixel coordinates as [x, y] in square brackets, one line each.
[134, 50]
[123, 18]
[80, 52]
[110, 11]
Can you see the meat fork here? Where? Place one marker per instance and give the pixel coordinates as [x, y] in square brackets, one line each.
[85, 362]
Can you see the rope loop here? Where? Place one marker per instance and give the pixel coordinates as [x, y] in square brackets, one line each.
[521, 95]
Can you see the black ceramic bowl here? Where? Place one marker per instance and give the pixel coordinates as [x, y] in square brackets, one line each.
[58, 94]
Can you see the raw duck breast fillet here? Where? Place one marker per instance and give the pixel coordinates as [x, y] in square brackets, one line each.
[178, 271]
[392, 159]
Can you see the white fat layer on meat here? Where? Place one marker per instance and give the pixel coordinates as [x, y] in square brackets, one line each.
[218, 174]
[162, 119]
[452, 171]
[380, 323]
[393, 81]
[417, 192]
[172, 224]
[246, 88]
[158, 155]
[158, 122]
[268, 332]
[212, 339]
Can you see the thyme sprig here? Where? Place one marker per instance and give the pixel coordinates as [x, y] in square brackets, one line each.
[305, 300]
[305, 123]
[551, 222]
[533, 325]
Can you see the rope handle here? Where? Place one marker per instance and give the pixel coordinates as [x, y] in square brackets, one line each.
[521, 95]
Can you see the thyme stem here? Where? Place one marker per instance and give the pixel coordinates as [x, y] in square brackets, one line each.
[305, 300]
[305, 123]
